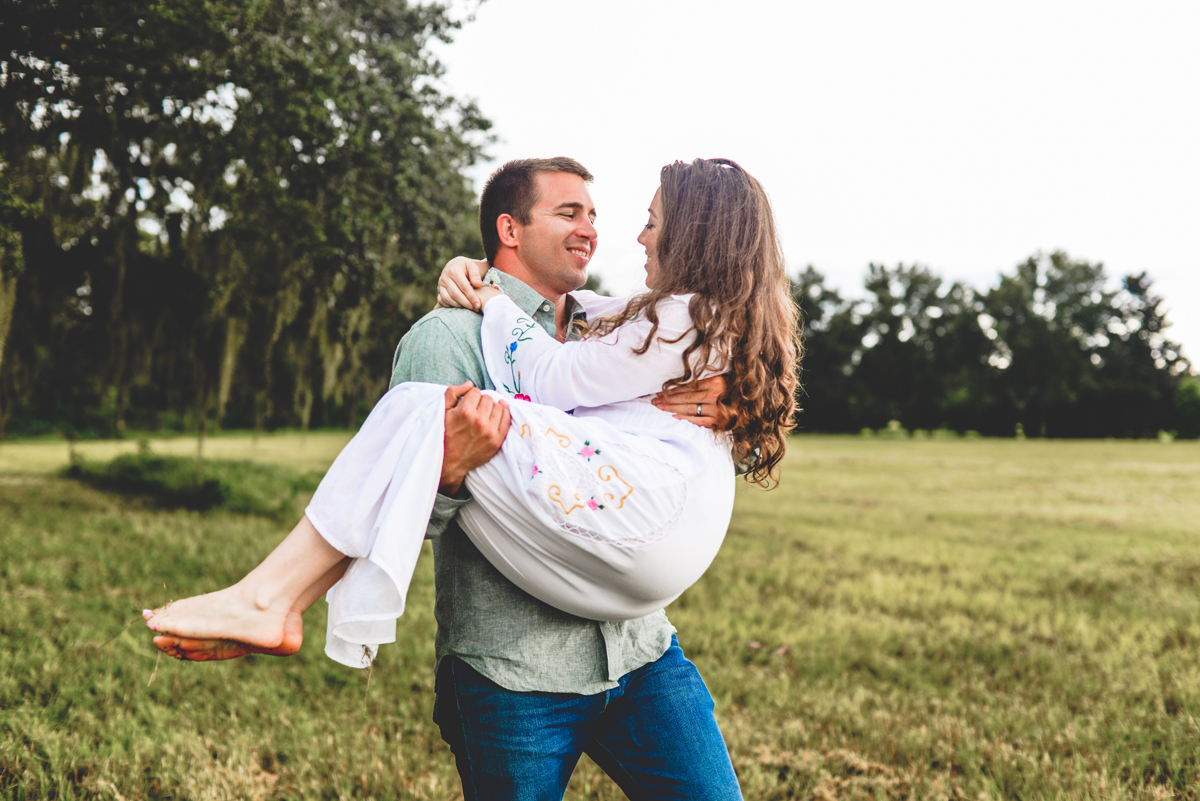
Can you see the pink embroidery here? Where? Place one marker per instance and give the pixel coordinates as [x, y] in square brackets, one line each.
[555, 493]
[588, 451]
[535, 471]
[522, 396]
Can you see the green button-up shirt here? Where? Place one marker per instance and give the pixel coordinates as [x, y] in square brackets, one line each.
[501, 631]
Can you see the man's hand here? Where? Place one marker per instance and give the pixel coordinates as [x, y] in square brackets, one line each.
[476, 427]
[696, 403]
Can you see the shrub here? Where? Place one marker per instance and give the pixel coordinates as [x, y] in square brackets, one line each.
[1187, 408]
[184, 483]
[893, 431]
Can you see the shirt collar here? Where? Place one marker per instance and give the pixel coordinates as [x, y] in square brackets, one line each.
[529, 301]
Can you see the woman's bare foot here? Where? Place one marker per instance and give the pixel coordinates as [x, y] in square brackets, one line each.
[253, 614]
[194, 650]
[229, 614]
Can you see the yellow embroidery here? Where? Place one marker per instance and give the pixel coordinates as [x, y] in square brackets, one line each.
[524, 430]
[617, 476]
[563, 441]
[554, 494]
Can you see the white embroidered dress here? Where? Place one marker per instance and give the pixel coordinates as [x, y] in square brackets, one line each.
[608, 513]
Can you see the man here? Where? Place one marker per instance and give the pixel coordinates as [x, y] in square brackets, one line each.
[522, 688]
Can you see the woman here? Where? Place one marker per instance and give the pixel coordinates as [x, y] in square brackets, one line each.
[609, 513]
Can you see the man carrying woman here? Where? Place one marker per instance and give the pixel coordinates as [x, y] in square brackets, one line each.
[523, 687]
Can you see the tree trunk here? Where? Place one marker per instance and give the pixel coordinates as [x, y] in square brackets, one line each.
[201, 431]
[201, 418]
[121, 330]
[8, 299]
[306, 406]
[234, 333]
[351, 412]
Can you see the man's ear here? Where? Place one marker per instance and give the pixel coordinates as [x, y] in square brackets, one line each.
[507, 228]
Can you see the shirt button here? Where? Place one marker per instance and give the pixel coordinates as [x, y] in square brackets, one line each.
[546, 307]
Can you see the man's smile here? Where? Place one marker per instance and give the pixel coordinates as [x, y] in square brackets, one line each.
[583, 253]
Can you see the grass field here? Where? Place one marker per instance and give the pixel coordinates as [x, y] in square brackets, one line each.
[913, 619]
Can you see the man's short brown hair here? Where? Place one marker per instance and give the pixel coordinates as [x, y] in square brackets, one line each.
[512, 190]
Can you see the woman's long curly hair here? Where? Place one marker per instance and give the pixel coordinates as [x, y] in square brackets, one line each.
[717, 239]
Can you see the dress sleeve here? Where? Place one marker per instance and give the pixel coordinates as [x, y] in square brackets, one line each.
[525, 361]
[599, 305]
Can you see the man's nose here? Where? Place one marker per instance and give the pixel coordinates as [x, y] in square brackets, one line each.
[587, 230]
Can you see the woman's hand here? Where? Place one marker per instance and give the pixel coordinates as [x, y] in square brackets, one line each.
[696, 403]
[457, 284]
[486, 293]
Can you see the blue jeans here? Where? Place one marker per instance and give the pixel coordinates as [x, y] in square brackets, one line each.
[654, 734]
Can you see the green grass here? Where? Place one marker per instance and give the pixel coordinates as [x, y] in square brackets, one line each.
[910, 619]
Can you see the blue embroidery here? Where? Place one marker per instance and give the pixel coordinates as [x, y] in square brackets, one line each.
[521, 332]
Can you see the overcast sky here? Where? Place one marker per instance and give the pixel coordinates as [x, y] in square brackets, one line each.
[961, 136]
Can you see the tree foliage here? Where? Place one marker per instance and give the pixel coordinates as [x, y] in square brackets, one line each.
[225, 211]
[229, 212]
[1051, 348]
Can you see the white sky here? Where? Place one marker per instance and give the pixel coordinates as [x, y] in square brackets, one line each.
[961, 136]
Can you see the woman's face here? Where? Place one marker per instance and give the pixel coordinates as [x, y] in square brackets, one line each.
[649, 240]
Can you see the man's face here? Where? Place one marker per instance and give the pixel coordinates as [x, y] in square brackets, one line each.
[560, 238]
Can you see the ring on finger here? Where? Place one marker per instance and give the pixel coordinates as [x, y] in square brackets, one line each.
[699, 410]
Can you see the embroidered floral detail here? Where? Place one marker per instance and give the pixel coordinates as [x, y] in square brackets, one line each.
[521, 332]
[563, 440]
[588, 450]
[535, 471]
[606, 473]
[522, 396]
[555, 493]
[614, 475]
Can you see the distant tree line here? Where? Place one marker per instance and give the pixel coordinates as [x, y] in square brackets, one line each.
[220, 212]
[1051, 348]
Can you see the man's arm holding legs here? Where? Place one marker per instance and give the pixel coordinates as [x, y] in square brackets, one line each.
[476, 427]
